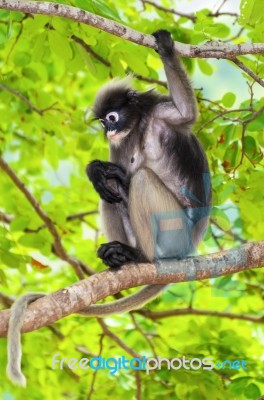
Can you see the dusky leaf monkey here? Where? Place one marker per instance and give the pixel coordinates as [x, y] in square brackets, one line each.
[155, 190]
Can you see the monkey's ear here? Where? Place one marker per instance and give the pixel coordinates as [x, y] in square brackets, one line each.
[132, 97]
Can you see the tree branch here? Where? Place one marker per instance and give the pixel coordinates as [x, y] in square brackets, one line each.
[248, 71]
[58, 247]
[156, 315]
[208, 50]
[26, 100]
[82, 294]
[192, 17]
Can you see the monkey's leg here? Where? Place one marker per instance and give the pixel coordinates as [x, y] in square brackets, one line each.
[147, 197]
[117, 228]
[160, 224]
[115, 223]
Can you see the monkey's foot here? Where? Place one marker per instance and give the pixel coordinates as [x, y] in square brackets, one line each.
[115, 254]
[164, 42]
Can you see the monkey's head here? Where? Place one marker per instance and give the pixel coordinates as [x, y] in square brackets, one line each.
[116, 107]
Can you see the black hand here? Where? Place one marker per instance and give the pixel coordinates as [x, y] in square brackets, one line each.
[115, 254]
[99, 172]
[164, 42]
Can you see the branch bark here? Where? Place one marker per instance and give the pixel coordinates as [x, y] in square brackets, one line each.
[78, 296]
[208, 50]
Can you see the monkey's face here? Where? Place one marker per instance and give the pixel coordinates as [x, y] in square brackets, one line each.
[118, 123]
[116, 107]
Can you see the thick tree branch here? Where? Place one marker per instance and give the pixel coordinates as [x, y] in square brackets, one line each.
[82, 294]
[208, 50]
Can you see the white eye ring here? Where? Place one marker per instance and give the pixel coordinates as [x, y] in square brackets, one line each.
[102, 122]
[112, 117]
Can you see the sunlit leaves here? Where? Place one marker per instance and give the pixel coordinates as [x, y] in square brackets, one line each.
[98, 7]
[59, 45]
[205, 67]
[220, 218]
[208, 27]
[251, 11]
[252, 150]
[49, 151]
[228, 99]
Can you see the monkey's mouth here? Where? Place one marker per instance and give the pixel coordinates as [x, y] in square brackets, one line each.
[116, 136]
[112, 135]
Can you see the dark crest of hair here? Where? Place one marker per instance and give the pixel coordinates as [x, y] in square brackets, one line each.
[118, 93]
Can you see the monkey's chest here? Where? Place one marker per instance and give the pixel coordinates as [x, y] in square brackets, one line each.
[135, 161]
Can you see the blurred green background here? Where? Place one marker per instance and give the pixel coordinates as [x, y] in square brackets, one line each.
[50, 71]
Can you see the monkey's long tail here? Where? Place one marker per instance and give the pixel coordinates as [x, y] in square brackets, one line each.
[14, 352]
[128, 303]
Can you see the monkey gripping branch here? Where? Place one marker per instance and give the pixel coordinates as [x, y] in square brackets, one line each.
[82, 294]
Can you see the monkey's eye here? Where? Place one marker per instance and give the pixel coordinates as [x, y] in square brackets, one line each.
[102, 122]
[112, 117]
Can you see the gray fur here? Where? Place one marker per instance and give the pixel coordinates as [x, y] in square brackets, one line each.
[129, 303]
[14, 352]
[160, 125]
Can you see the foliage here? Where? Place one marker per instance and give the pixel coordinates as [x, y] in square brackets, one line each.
[47, 135]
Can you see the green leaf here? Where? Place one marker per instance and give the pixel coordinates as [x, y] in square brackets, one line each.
[251, 11]
[238, 385]
[3, 279]
[218, 30]
[257, 124]
[98, 7]
[220, 218]
[231, 156]
[10, 259]
[33, 240]
[19, 223]
[59, 45]
[205, 67]
[21, 58]
[228, 99]
[252, 391]
[52, 151]
[39, 47]
[251, 149]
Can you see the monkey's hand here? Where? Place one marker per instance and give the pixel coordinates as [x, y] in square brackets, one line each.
[99, 172]
[115, 254]
[165, 43]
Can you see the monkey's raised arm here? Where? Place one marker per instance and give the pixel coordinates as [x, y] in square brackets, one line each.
[182, 108]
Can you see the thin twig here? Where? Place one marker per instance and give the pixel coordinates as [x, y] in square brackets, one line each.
[248, 71]
[144, 334]
[138, 384]
[89, 396]
[90, 50]
[25, 100]
[228, 232]
[156, 315]
[192, 17]
[58, 247]
[117, 340]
